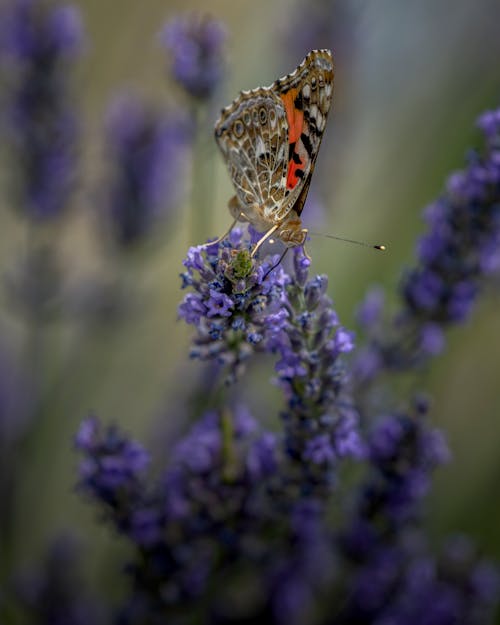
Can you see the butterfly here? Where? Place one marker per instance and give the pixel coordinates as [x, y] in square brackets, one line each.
[270, 138]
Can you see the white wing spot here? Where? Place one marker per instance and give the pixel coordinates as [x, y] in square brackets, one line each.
[260, 147]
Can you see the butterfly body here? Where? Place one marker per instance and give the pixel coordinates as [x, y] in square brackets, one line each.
[270, 138]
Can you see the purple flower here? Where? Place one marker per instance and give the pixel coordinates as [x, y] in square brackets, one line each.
[457, 257]
[195, 45]
[370, 310]
[403, 452]
[112, 465]
[321, 426]
[307, 570]
[432, 340]
[30, 31]
[207, 510]
[145, 181]
[238, 304]
[324, 24]
[440, 591]
[319, 450]
[219, 304]
[250, 525]
[393, 578]
[38, 43]
[489, 123]
[262, 456]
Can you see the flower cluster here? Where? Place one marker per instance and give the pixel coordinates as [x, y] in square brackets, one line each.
[112, 469]
[321, 425]
[211, 508]
[456, 258]
[232, 522]
[457, 586]
[403, 452]
[237, 305]
[222, 528]
[195, 44]
[148, 153]
[394, 579]
[37, 43]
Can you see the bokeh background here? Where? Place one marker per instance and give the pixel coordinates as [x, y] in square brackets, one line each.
[411, 78]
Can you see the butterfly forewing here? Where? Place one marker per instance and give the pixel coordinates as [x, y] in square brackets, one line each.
[307, 96]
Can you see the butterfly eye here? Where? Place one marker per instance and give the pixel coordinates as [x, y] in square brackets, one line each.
[247, 119]
[238, 128]
[313, 83]
[263, 115]
[272, 116]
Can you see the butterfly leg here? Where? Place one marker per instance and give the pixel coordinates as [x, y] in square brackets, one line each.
[306, 254]
[291, 231]
[263, 239]
[234, 209]
[219, 239]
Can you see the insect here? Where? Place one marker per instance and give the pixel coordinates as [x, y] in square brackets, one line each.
[270, 138]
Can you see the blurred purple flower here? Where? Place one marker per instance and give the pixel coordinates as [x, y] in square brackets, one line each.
[53, 592]
[112, 466]
[442, 590]
[211, 507]
[456, 258]
[38, 44]
[148, 155]
[393, 578]
[196, 47]
[30, 31]
[322, 24]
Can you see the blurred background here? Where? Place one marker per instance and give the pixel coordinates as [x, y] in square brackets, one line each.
[88, 318]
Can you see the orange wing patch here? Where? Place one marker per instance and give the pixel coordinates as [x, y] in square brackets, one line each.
[295, 118]
[295, 173]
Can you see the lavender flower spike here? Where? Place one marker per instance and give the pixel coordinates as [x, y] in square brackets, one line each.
[111, 469]
[393, 577]
[457, 257]
[38, 43]
[148, 153]
[321, 424]
[236, 304]
[195, 45]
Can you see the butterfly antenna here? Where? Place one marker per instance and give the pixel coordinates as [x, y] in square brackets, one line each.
[381, 248]
[276, 264]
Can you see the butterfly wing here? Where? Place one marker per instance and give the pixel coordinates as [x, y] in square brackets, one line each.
[270, 138]
[252, 134]
[307, 96]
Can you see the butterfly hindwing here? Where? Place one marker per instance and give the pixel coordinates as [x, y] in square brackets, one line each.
[253, 136]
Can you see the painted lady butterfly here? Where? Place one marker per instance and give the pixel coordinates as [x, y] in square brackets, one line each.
[270, 138]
